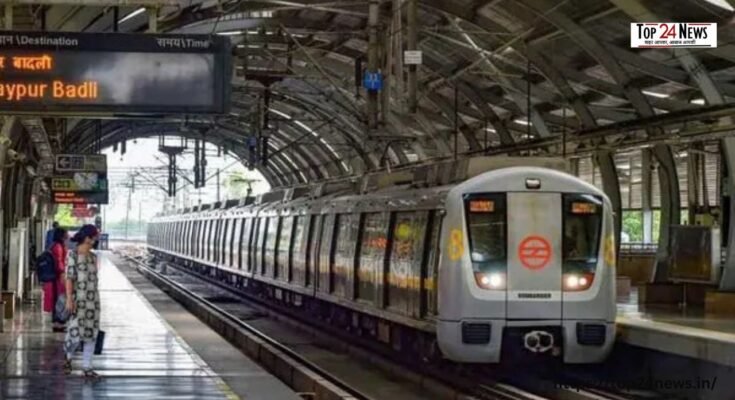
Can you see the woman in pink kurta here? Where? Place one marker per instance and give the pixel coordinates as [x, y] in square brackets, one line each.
[52, 290]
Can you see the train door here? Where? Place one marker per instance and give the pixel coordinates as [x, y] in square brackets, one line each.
[534, 256]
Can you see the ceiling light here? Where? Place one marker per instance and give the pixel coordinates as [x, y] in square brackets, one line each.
[131, 15]
[697, 101]
[491, 130]
[522, 122]
[229, 33]
[654, 94]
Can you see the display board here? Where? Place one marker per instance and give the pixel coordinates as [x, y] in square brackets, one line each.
[695, 254]
[80, 179]
[114, 73]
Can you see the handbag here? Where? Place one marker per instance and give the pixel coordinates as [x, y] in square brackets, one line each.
[100, 342]
[62, 314]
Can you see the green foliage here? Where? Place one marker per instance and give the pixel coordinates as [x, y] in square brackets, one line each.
[63, 216]
[236, 185]
[633, 225]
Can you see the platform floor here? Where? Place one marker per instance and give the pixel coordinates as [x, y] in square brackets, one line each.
[144, 358]
[676, 330]
[692, 317]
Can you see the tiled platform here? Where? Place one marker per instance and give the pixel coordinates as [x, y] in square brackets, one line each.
[686, 332]
[143, 358]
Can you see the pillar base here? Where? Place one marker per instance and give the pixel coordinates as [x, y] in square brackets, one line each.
[638, 267]
[622, 287]
[720, 303]
[673, 293]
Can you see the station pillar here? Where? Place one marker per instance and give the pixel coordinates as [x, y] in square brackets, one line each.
[670, 209]
[727, 283]
[646, 191]
[611, 186]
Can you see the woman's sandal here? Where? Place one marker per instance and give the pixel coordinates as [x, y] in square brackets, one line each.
[90, 374]
[67, 366]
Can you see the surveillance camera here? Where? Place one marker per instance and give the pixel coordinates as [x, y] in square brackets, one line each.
[15, 156]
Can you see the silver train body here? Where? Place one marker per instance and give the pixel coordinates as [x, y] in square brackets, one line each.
[514, 259]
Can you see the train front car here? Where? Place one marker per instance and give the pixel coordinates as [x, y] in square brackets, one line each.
[527, 266]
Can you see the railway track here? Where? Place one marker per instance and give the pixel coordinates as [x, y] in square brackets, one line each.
[450, 383]
[324, 384]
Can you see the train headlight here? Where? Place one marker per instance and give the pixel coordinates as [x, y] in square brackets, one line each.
[577, 282]
[490, 280]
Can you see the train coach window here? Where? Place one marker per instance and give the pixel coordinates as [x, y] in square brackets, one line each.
[270, 248]
[324, 282]
[343, 253]
[257, 227]
[486, 222]
[226, 245]
[298, 257]
[372, 254]
[429, 306]
[582, 229]
[200, 239]
[234, 241]
[245, 238]
[187, 238]
[283, 265]
[408, 238]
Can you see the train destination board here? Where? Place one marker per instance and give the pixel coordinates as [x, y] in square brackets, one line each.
[112, 73]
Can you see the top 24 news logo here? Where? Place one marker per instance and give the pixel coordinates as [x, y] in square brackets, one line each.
[673, 34]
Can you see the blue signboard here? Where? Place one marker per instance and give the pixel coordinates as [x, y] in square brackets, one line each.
[373, 81]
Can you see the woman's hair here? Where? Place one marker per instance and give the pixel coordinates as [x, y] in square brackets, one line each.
[59, 235]
[87, 231]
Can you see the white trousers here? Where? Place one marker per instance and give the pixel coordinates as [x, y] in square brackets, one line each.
[87, 351]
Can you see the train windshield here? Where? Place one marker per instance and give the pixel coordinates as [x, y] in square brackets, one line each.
[486, 220]
[582, 230]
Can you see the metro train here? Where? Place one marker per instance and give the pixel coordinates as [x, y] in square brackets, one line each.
[506, 260]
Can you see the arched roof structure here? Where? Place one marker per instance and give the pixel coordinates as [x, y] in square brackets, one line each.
[524, 73]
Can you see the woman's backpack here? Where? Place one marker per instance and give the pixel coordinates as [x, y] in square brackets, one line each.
[46, 267]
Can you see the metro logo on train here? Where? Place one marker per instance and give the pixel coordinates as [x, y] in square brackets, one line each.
[534, 252]
[673, 34]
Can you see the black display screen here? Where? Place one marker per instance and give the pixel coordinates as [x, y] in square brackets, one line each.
[114, 73]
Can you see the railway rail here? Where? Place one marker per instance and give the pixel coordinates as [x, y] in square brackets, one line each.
[453, 381]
